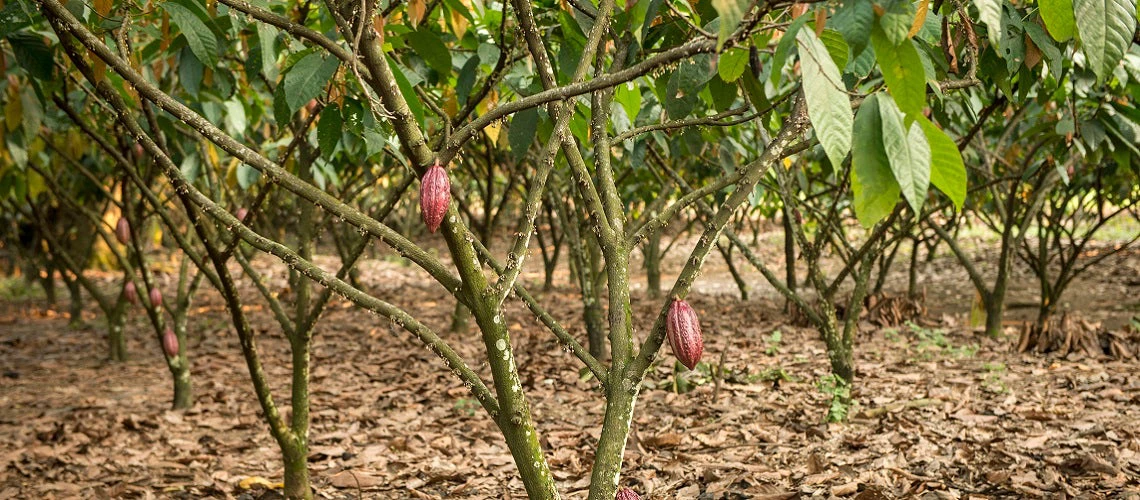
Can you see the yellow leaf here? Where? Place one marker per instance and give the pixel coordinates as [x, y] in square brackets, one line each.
[458, 23]
[492, 131]
[231, 177]
[259, 482]
[103, 7]
[919, 19]
[416, 10]
[211, 156]
[13, 112]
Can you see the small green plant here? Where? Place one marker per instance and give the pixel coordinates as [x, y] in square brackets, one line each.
[467, 406]
[16, 288]
[932, 341]
[772, 343]
[892, 335]
[840, 393]
[774, 374]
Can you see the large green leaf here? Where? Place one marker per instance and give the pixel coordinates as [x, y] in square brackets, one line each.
[902, 71]
[1105, 28]
[827, 102]
[732, 63]
[307, 79]
[329, 129]
[731, 12]
[784, 47]
[1058, 17]
[873, 185]
[201, 40]
[685, 85]
[854, 20]
[947, 171]
[432, 49]
[266, 39]
[897, 20]
[522, 130]
[33, 54]
[836, 46]
[907, 151]
[989, 11]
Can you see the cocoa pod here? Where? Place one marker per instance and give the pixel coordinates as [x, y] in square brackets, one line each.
[155, 298]
[242, 213]
[683, 331]
[131, 292]
[123, 230]
[435, 196]
[139, 151]
[170, 343]
[626, 494]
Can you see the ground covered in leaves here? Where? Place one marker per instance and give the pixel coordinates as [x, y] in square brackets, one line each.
[942, 412]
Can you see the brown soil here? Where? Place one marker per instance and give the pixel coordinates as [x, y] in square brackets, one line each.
[942, 412]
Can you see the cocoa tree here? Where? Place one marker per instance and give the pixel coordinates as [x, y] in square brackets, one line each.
[580, 88]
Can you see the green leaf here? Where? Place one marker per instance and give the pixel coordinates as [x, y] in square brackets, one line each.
[854, 20]
[902, 71]
[466, 79]
[33, 54]
[784, 47]
[247, 175]
[329, 129]
[306, 79]
[1105, 28]
[989, 12]
[432, 49]
[732, 64]
[947, 171]
[190, 71]
[202, 41]
[629, 95]
[521, 134]
[907, 151]
[723, 94]
[828, 106]
[1058, 17]
[897, 20]
[406, 89]
[235, 120]
[873, 185]
[731, 12]
[685, 85]
[1048, 49]
[266, 39]
[837, 47]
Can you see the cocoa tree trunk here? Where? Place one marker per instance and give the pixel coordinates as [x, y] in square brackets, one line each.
[652, 253]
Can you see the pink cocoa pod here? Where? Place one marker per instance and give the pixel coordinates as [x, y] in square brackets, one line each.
[131, 292]
[139, 151]
[435, 196]
[626, 494]
[684, 333]
[123, 230]
[242, 213]
[169, 343]
[155, 298]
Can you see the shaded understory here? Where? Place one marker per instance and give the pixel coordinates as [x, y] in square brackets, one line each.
[942, 411]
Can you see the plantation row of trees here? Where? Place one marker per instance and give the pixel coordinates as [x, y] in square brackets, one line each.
[208, 133]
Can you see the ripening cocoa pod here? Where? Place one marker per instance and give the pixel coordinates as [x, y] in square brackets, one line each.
[435, 196]
[626, 494]
[169, 343]
[139, 151]
[131, 292]
[684, 333]
[242, 213]
[123, 230]
[155, 298]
